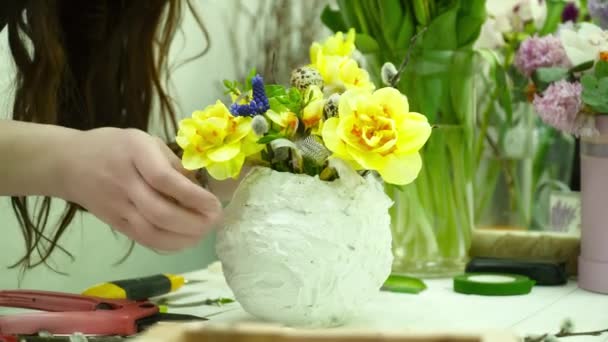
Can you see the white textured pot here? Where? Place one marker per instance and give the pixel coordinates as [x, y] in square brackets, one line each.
[304, 252]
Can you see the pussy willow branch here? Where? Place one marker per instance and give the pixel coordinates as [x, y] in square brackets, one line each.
[274, 36]
[395, 79]
[563, 333]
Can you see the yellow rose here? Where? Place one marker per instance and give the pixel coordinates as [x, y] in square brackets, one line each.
[341, 73]
[312, 114]
[376, 131]
[285, 122]
[336, 45]
[217, 141]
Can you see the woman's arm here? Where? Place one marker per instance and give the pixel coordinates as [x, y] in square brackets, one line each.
[31, 158]
[125, 177]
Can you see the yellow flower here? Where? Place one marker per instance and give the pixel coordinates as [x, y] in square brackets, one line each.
[285, 122]
[341, 73]
[216, 140]
[336, 45]
[312, 114]
[376, 131]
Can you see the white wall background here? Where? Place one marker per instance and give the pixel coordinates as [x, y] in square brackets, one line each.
[94, 246]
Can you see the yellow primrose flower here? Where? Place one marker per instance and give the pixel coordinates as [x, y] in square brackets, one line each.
[312, 114]
[341, 73]
[217, 141]
[286, 122]
[336, 45]
[376, 131]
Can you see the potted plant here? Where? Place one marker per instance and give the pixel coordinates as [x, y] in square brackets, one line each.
[306, 238]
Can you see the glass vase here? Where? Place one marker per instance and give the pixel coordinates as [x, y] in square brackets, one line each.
[432, 218]
[519, 162]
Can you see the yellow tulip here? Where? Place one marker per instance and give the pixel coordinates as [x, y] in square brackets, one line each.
[336, 45]
[312, 114]
[217, 141]
[341, 73]
[376, 131]
[285, 122]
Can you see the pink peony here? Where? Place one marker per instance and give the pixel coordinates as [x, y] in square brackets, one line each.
[559, 106]
[539, 52]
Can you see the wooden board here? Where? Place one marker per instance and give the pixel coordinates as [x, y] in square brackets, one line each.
[527, 245]
[249, 332]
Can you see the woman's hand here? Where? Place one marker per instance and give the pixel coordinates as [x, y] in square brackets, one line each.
[135, 183]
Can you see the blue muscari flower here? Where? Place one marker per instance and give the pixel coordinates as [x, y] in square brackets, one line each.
[259, 103]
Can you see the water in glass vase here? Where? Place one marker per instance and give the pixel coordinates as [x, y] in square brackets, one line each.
[432, 218]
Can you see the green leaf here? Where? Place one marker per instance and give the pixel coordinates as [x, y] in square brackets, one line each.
[391, 17]
[400, 188]
[406, 31]
[276, 105]
[333, 20]
[275, 90]
[422, 11]
[500, 76]
[601, 70]
[403, 284]
[581, 67]
[349, 15]
[444, 30]
[471, 17]
[595, 93]
[294, 95]
[269, 137]
[554, 16]
[366, 44]
[310, 167]
[542, 77]
[218, 301]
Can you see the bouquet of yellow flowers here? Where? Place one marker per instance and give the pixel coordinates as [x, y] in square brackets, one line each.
[330, 110]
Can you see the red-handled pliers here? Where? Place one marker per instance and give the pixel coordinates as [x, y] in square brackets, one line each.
[70, 313]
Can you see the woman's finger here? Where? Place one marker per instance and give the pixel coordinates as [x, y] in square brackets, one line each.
[158, 172]
[149, 235]
[167, 214]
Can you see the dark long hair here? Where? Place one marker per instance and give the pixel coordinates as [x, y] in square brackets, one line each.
[88, 64]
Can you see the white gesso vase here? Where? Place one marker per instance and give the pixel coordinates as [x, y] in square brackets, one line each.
[304, 252]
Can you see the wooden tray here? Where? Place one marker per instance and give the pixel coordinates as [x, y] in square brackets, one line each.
[249, 332]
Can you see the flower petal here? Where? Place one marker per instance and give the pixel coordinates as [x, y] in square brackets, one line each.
[401, 170]
[369, 160]
[249, 145]
[392, 101]
[332, 139]
[228, 169]
[241, 128]
[193, 160]
[224, 152]
[313, 113]
[413, 132]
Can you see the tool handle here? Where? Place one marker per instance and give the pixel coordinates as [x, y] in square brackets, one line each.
[48, 301]
[71, 313]
[137, 288]
[65, 323]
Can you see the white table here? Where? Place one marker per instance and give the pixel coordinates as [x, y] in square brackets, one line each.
[438, 308]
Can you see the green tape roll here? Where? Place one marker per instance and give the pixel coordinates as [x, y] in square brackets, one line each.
[493, 284]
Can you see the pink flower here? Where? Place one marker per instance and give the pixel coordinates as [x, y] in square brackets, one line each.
[559, 106]
[539, 52]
